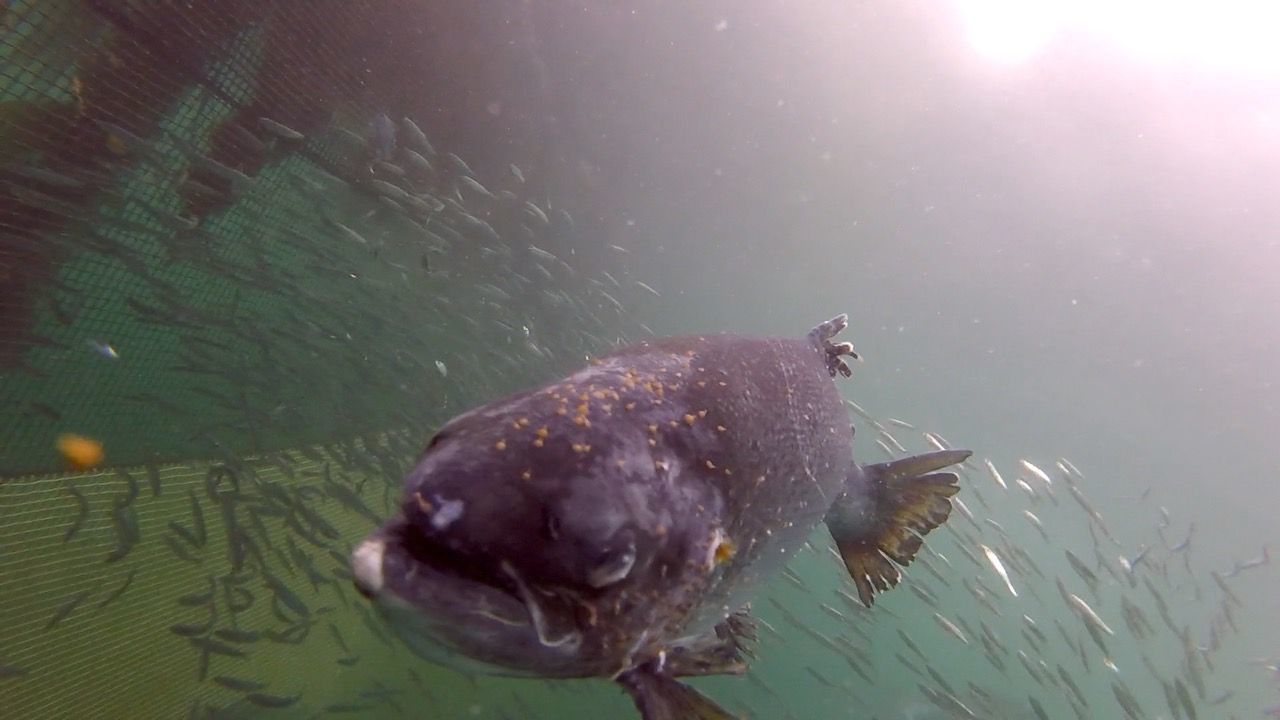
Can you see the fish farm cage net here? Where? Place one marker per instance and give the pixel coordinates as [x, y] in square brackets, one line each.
[215, 269]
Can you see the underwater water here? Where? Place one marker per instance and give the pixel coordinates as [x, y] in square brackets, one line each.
[254, 255]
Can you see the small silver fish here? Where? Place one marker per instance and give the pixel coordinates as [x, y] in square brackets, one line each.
[999, 568]
[995, 475]
[951, 628]
[1087, 614]
[280, 130]
[1040, 474]
[104, 349]
[647, 288]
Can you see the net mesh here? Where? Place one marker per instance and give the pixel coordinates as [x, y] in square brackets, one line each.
[259, 291]
[217, 262]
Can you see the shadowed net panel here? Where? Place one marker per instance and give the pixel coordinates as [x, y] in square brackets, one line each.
[221, 258]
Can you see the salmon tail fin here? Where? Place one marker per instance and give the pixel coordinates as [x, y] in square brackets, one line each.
[658, 696]
[880, 520]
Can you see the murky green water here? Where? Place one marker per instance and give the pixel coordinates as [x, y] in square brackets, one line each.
[257, 253]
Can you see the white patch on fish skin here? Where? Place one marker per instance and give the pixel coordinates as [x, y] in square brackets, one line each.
[718, 538]
[366, 565]
[444, 371]
[449, 511]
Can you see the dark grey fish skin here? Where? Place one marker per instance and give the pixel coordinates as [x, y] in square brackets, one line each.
[591, 526]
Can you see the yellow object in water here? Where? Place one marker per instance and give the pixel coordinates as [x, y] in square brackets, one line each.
[80, 452]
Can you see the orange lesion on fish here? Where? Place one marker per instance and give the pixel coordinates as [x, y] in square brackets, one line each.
[500, 445]
[689, 418]
[724, 551]
[527, 474]
[581, 448]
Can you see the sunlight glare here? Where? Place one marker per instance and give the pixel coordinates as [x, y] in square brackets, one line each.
[1236, 35]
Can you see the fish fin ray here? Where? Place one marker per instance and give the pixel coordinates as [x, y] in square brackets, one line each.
[724, 651]
[658, 696]
[893, 506]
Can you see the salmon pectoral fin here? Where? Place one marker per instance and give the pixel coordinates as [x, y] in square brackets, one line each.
[724, 651]
[880, 521]
[658, 696]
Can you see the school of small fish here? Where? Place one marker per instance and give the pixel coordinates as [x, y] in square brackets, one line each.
[388, 291]
[434, 289]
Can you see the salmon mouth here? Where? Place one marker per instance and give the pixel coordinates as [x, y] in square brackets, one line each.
[401, 566]
[450, 609]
